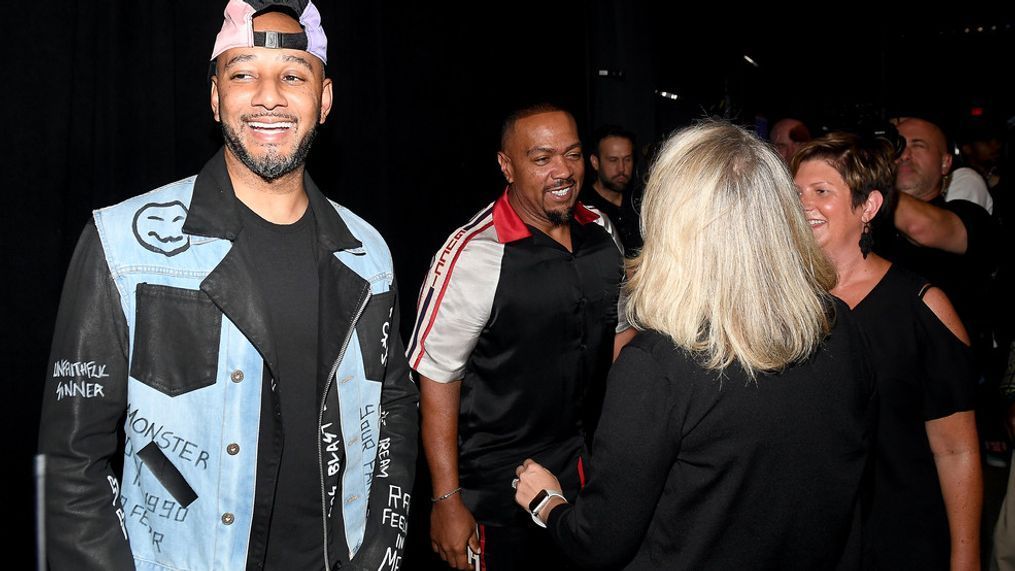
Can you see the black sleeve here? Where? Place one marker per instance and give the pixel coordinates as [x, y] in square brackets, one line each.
[630, 459]
[84, 401]
[981, 233]
[388, 511]
[950, 367]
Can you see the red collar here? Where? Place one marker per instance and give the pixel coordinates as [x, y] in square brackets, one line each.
[510, 227]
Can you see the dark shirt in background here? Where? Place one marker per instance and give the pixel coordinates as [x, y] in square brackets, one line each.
[625, 218]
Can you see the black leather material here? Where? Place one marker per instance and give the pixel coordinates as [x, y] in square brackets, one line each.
[176, 344]
[168, 474]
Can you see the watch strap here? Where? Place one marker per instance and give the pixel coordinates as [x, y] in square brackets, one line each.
[540, 501]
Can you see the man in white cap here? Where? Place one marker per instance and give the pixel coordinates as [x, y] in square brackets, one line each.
[243, 330]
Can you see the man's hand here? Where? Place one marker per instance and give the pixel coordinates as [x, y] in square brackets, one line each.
[452, 527]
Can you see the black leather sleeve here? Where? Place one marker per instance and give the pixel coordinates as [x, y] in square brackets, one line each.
[390, 493]
[84, 401]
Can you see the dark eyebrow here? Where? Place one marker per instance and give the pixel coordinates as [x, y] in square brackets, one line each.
[299, 60]
[239, 59]
[286, 58]
[551, 149]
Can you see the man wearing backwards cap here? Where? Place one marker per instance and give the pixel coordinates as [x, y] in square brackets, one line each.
[244, 331]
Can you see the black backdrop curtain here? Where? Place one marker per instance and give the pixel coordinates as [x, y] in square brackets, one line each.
[107, 99]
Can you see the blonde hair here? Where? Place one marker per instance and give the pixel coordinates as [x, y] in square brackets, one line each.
[730, 269]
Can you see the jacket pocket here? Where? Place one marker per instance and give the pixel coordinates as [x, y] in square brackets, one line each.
[176, 339]
[167, 474]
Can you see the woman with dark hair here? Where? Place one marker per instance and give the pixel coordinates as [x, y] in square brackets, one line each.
[924, 511]
[736, 425]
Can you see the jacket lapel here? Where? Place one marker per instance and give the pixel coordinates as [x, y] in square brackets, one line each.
[230, 287]
[214, 213]
[342, 294]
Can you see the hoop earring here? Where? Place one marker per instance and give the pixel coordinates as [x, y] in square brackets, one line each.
[866, 240]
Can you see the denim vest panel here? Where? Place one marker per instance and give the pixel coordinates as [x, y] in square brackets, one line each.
[359, 396]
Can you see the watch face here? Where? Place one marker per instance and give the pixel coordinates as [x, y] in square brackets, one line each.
[536, 500]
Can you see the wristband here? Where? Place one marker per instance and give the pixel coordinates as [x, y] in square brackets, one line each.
[539, 502]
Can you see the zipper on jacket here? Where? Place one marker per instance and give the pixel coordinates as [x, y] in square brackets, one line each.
[365, 297]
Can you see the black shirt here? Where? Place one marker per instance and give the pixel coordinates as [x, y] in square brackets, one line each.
[963, 277]
[625, 217]
[924, 373]
[529, 328]
[282, 260]
[691, 469]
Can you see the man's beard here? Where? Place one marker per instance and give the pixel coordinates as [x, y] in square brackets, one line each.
[272, 165]
[613, 186]
[560, 217]
[914, 185]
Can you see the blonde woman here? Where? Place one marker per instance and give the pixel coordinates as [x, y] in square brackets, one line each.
[736, 424]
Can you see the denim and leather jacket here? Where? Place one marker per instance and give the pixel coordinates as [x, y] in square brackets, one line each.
[160, 334]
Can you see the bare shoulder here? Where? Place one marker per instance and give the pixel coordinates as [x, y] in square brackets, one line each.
[939, 303]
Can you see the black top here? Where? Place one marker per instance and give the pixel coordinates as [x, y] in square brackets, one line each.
[626, 217]
[924, 372]
[964, 277]
[284, 266]
[529, 328]
[695, 470]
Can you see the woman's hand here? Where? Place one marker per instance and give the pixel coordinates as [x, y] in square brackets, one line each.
[531, 479]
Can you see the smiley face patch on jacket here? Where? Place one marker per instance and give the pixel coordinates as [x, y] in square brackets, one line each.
[158, 227]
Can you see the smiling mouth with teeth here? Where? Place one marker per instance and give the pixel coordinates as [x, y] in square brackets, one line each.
[561, 193]
[270, 126]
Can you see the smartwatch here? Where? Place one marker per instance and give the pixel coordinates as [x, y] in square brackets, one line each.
[539, 502]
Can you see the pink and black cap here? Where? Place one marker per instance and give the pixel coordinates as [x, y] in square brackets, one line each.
[238, 29]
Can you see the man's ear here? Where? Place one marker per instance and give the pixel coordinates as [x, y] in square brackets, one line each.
[946, 164]
[506, 168]
[326, 99]
[215, 98]
[594, 161]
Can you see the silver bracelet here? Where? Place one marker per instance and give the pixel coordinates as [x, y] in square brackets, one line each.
[447, 495]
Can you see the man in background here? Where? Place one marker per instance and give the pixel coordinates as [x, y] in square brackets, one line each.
[612, 191]
[788, 135]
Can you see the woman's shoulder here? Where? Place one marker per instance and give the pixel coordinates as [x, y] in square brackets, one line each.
[652, 363]
[656, 345]
[651, 348]
[897, 294]
[905, 281]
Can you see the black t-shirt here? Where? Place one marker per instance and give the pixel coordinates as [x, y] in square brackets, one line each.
[625, 218]
[963, 277]
[694, 469]
[283, 265]
[924, 373]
